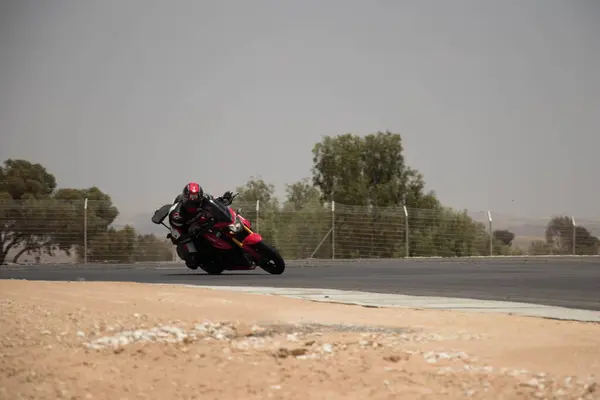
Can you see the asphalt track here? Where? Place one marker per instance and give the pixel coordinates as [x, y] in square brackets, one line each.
[564, 282]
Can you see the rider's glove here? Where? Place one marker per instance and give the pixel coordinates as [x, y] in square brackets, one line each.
[199, 227]
[227, 196]
[195, 228]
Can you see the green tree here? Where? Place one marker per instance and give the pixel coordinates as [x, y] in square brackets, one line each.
[559, 237]
[35, 218]
[101, 213]
[444, 232]
[504, 236]
[32, 226]
[338, 169]
[257, 189]
[150, 248]
[303, 222]
[266, 219]
[370, 180]
[300, 195]
[25, 190]
[22, 179]
[502, 243]
[114, 245]
[126, 246]
[368, 170]
[539, 248]
[359, 172]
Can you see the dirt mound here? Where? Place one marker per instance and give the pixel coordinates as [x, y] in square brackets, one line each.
[89, 340]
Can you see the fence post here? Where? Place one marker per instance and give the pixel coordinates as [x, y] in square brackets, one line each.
[406, 235]
[491, 233]
[257, 216]
[332, 229]
[574, 233]
[85, 252]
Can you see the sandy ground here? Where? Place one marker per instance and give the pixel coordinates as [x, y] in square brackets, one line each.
[93, 340]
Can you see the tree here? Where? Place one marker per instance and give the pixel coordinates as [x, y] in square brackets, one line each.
[257, 189]
[504, 236]
[559, 237]
[23, 187]
[35, 218]
[368, 170]
[101, 213]
[151, 248]
[338, 169]
[126, 246]
[359, 171]
[370, 180]
[23, 179]
[31, 226]
[300, 195]
[116, 246]
[539, 248]
[303, 222]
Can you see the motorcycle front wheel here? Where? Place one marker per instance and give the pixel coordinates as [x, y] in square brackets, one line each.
[271, 261]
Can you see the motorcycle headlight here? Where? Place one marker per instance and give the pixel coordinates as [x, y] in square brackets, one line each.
[236, 226]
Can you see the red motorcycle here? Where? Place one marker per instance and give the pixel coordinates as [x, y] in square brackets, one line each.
[229, 244]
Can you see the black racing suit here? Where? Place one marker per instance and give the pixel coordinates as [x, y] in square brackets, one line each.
[185, 225]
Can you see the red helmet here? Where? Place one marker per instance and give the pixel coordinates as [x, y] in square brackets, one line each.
[192, 196]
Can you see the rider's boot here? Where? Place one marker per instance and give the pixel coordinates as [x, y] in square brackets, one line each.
[190, 262]
[189, 254]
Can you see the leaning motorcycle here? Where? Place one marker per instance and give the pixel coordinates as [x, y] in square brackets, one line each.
[229, 244]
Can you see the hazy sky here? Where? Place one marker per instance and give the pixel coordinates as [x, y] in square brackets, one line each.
[498, 102]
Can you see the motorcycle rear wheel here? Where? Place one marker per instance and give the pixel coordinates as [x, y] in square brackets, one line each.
[272, 261]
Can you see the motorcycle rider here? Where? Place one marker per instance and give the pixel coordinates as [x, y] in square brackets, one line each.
[186, 219]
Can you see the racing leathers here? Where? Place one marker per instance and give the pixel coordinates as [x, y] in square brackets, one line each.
[187, 222]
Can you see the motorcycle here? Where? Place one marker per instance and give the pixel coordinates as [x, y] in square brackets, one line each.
[229, 244]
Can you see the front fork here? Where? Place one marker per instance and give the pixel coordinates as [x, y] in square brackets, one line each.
[250, 239]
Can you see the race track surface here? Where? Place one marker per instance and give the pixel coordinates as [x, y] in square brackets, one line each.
[569, 282]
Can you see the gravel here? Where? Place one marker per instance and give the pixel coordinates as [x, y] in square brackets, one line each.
[302, 342]
[162, 334]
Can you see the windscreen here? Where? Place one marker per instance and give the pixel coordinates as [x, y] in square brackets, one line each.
[219, 211]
